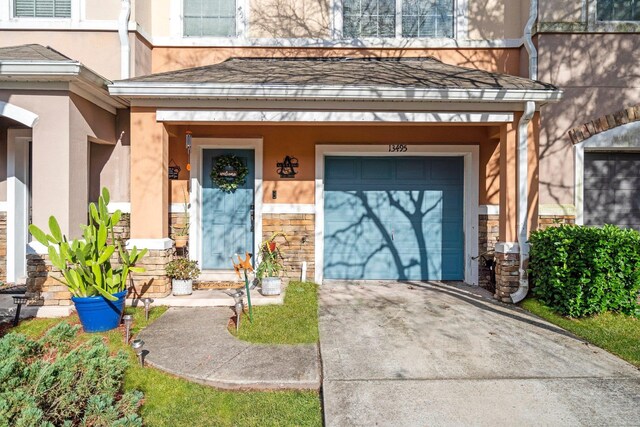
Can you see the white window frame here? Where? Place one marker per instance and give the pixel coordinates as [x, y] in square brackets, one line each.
[77, 9]
[594, 11]
[176, 23]
[460, 21]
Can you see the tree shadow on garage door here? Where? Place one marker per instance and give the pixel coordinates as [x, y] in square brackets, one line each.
[373, 233]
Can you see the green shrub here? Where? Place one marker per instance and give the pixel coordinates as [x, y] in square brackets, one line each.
[580, 271]
[49, 382]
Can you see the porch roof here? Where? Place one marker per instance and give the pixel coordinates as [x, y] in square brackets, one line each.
[344, 78]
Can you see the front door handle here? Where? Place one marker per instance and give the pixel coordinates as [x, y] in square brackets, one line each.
[253, 216]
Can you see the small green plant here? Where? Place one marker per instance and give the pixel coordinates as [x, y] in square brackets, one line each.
[182, 269]
[55, 381]
[86, 263]
[271, 258]
[580, 271]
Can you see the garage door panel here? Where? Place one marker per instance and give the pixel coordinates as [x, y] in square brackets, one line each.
[612, 189]
[408, 226]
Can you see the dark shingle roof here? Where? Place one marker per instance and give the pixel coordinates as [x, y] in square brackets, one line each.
[31, 52]
[364, 72]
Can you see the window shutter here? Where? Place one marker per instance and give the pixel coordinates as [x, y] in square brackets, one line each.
[42, 8]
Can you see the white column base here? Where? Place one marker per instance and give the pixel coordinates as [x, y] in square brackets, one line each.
[151, 244]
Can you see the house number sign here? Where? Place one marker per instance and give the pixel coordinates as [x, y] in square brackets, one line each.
[398, 148]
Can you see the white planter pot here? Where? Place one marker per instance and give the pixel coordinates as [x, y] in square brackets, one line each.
[271, 286]
[182, 287]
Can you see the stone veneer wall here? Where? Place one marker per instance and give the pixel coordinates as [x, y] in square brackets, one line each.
[299, 229]
[44, 290]
[3, 246]
[177, 221]
[487, 239]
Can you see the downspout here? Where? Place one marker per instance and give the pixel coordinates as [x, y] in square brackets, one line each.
[523, 159]
[123, 33]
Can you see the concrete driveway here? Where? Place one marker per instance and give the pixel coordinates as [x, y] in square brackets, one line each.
[429, 355]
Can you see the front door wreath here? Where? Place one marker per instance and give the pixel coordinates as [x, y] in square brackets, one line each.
[229, 172]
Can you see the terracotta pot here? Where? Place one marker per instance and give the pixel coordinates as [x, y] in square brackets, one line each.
[181, 241]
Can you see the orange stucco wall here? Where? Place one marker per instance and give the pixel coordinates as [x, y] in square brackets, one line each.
[300, 141]
[176, 58]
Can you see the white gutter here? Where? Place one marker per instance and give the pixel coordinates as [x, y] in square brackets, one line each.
[123, 33]
[523, 159]
[134, 89]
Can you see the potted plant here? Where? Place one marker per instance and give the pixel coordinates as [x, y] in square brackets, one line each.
[182, 271]
[98, 288]
[270, 265]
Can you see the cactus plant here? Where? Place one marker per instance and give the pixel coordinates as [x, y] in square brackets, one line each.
[86, 263]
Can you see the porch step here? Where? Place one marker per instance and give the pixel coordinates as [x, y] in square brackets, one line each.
[212, 298]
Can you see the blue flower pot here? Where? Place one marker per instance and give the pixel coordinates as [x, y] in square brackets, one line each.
[98, 314]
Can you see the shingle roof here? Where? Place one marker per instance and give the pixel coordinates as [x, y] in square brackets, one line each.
[364, 72]
[31, 52]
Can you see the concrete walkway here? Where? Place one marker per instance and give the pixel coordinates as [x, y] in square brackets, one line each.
[194, 343]
[442, 355]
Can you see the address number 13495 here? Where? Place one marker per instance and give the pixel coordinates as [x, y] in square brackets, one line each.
[397, 148]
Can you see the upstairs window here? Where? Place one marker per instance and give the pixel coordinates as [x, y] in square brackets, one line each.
[379, 18]
[212, 18]
[618, 10]
[42, 8]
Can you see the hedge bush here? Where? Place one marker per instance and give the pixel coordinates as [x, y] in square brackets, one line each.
[51, 382]
[580, 271]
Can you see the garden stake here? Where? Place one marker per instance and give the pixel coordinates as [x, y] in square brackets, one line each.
[245, 264]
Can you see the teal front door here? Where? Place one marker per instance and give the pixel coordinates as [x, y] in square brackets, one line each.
[227, 217]
[394, 218]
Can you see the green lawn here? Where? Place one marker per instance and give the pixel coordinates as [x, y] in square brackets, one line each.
[172, 401]
[617, 333]
[294, 322]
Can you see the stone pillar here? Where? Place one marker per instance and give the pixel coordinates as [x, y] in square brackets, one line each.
[43, 290]
[488, 225]
[507, 279]
[150, 202]
[506, 250]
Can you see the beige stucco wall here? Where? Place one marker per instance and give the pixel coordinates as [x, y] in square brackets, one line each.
[142, 13]
[598, 75]
[498, 60]
[60, 152]
[560, 10]
[100, 51]
[161, 16]
[495, 19]
[289, 18]
[102, 9]
[141, 54]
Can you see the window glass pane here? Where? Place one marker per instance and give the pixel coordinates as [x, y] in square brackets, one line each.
[427, 18]
[215, 18]
[368, 18]
[42, 8]
[618, 10]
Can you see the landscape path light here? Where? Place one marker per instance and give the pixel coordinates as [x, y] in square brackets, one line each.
[128, 321]
[147, 306]
[238, 306]
[137, 346]
[18, 300]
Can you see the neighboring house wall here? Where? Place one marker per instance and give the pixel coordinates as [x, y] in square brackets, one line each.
[597, 74]
[99, 51]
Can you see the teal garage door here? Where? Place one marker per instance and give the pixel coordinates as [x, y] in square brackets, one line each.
[394, 218]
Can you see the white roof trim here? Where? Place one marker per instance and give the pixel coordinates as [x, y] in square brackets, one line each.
[166, 115]
[253, 91]
[18, 114]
